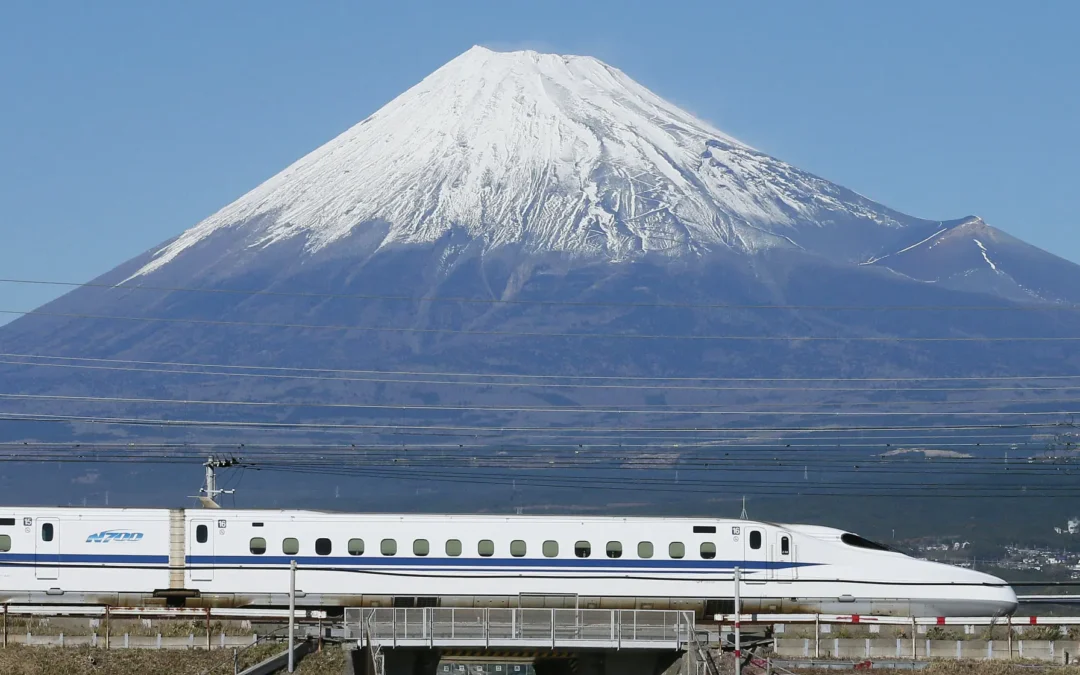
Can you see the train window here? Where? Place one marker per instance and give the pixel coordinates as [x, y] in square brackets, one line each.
[614, 549]
[583, 549]
[755, 539]
[5, 543]
[676, 550]
[644, 549]
[453, 547]
[785, 546]
[388, 547]
[7, 521]
[704, 529]
[257, 545]
[708, 550]
[551, 549]
[858, 542]
[323, 546]
[421, 547]
[201, 534]
[486, 548]
[290, 546]
[517, 548]
[356, 547]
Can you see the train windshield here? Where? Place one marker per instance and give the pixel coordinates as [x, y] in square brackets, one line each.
[861, 542]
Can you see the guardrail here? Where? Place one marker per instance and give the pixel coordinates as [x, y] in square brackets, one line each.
[162, 612]
[1014, 621]
[524, 628]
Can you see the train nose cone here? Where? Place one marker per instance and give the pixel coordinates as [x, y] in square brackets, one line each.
[1000, 593]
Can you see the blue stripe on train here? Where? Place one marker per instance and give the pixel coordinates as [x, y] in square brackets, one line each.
[458, 563]
[71, 558]
[605, 564]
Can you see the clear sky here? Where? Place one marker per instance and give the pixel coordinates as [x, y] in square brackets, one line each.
[123, 123]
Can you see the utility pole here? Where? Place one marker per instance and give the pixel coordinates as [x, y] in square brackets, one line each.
[738, 622]
[292, 613]
[743, 516]
[209, 491]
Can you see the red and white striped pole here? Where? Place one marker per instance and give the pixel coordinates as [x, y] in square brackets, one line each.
[738, 622]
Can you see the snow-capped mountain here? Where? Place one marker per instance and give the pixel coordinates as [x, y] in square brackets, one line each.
[970, 255]
[550, 153]
[572, 210]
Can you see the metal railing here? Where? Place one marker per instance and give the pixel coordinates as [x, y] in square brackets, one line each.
[554, 628]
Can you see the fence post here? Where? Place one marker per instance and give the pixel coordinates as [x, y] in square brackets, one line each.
[914, 640]
[126, 643]
[106, 627]
[5, 624]
[817, 636]
[207, 629]
[1010, 638]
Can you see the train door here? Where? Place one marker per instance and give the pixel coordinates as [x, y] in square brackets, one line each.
[47, 548]
[756, 555]
[201, 537]
[782, 556]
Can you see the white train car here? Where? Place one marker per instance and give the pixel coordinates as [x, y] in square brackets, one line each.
[242, 558]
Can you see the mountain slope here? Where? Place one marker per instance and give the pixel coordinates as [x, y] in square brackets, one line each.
[970, 255]
[523, 215]
[551, 153]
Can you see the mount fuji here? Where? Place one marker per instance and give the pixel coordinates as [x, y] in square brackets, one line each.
[535, 214]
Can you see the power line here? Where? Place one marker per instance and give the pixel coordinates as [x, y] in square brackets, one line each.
[535, 409]
[549, 303]
[534, 385]
[342, 426]
[525, 376]
[502, 333]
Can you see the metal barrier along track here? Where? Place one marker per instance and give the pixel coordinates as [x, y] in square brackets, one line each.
[521, 628]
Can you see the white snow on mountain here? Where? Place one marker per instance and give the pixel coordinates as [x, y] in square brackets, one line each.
[549, 152]
[985, 255]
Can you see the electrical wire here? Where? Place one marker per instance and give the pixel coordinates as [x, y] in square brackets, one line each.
[583, 335]
[549, 303]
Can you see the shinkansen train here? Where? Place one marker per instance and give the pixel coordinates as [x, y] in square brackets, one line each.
[237, 558]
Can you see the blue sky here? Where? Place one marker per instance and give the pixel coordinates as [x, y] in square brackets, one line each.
[124, 123]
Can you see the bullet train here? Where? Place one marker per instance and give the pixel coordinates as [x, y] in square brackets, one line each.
[235, 558]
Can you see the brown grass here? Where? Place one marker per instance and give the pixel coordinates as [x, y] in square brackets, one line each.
[977, 668]
[22, 660]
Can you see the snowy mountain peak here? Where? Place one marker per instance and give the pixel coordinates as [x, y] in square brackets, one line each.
[549, 153]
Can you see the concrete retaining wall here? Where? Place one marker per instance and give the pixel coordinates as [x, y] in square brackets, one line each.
[901, 648]
[192, 641]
